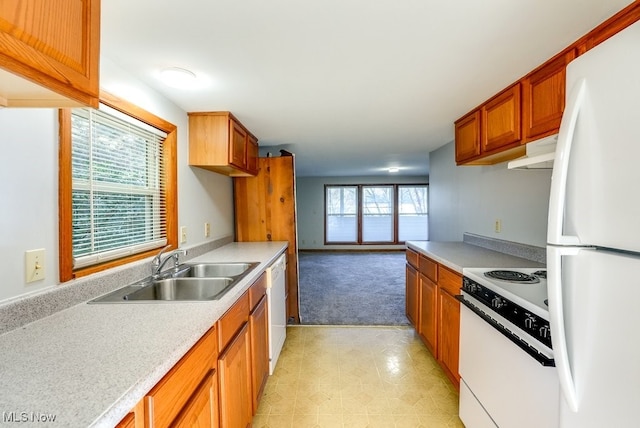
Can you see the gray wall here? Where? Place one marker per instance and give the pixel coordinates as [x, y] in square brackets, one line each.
[310, 208]
[471, 198]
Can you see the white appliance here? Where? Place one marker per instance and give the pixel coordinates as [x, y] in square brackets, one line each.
[593, 251]
[508, 378]
[276, 308]
[540, 154]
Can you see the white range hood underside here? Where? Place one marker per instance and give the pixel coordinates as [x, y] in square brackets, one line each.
[540, 155]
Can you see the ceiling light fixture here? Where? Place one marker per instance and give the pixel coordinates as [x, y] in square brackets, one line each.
[178, 78]
[394, 169]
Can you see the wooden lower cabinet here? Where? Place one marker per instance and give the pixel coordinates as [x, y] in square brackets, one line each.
[428, 327]
[412, 293]
[202, 409]
[259, 326]
[449, 335]
[235, 382]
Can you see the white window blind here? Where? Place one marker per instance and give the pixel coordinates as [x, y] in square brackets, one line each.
[118, 192]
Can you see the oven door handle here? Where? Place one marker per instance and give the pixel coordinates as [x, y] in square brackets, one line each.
[547, 362]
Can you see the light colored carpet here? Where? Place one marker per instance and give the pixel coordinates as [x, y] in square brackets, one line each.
[352, 288]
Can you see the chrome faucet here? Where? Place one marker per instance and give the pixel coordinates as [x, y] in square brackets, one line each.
[157, 263]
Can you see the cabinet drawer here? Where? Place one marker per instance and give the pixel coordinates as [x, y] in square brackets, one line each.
[429, 268]
[450, 281]
[257, 290]
[169, 396]
[412, 258]
[233, 320]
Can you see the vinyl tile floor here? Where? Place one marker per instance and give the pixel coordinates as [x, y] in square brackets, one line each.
[356, 377]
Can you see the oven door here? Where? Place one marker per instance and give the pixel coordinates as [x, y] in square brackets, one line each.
[499, 378]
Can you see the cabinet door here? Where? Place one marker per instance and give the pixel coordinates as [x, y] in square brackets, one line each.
[235, 382]
[543, 94]
[202, 409]
[412, 292]
[501, 120]
[238, 146]
[428, 329]
[252, 155]
[449, 335]
[467, 135]
[54, 43]
[259, 350]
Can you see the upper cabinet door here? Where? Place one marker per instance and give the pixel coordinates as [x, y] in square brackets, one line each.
[467, 135]
[238, 145]
[501, 119]
[54, 44]
[543, 94]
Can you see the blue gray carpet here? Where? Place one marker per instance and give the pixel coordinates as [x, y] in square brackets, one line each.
[352, 288]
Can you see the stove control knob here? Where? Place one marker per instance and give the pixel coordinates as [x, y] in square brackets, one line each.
[545, 331]
[530, 321]
[497, 302]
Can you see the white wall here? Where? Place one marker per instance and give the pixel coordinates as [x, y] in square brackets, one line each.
[310, 208]
[471, 198]
[29, 183]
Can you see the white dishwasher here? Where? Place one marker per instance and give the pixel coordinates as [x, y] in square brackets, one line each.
[276, 308]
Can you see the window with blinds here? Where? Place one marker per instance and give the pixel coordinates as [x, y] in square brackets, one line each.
[118, 186]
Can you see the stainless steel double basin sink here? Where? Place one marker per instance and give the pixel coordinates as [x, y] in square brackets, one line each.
[187, 282]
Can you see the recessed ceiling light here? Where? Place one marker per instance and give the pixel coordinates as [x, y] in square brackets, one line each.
[394, 169]
[178, 78]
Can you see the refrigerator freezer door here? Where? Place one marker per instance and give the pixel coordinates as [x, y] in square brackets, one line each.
[600, 290]
[600, 206]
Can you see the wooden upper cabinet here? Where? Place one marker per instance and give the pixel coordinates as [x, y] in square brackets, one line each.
[612, 26]
[543, 94]
[467, 134]
[49, 53]
[501, 120]
[220, 143]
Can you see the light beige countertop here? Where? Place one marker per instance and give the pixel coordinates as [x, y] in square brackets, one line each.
[89, 365]
[458, 255]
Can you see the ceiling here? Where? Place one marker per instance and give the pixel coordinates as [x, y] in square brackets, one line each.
[352, 87]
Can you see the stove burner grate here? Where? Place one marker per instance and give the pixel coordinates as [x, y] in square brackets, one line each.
[540, 274]
[512, 276]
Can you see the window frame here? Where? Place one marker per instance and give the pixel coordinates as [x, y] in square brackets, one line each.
[65, 187]
[359, 214]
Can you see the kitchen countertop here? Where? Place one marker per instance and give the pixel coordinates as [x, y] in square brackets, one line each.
[90, 364]
[458, 255]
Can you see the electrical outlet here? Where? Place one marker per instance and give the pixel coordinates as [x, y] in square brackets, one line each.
[34, 265]
[207, 230]
[183, 234]
[498, 225]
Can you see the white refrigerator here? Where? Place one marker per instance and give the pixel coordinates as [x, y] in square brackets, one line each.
[593, 251]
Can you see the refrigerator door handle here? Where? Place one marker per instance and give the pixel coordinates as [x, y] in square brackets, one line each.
[558, 330]
[557, 199]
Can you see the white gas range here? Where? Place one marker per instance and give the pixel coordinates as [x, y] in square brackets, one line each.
[505, 385]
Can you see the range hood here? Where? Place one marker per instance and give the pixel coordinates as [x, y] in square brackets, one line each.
[540, 154]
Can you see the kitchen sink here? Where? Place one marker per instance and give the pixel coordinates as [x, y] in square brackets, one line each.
[189, 282]
[183, 289]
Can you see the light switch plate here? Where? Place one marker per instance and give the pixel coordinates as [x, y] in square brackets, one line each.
[183, 234]
[207, 230]
[34, 265]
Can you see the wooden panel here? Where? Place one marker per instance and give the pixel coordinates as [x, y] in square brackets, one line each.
[202, 409]
[412, 294]
[428, 327]
[501, 120]
[543, 96]
[265, 209]
[129, 421]
[259, 328]
[450, 281]
[169, 396]
[54, 43]
[235, 382]
[429, 268]
[449, 336]
[233, 320]
[467, 136]
[412, 258]
[258, 290]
